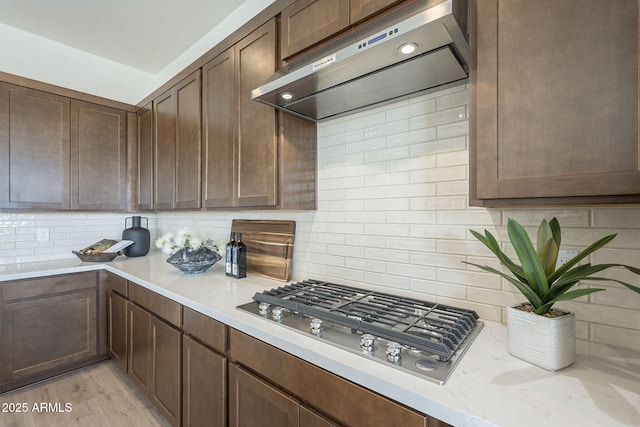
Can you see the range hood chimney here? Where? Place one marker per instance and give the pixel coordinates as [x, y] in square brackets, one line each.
[409, 53]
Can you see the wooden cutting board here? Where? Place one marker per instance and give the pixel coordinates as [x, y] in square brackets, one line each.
[269, 246]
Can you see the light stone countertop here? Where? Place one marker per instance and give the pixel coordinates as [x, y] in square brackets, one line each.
[488, 387]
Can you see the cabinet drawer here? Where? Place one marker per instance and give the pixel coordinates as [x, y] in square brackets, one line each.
[348, 403]
[16, 290]
[163, 307]
[207, 330]
[117, 283]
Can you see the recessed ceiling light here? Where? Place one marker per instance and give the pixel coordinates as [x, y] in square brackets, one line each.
[408, 48]
[286, 96]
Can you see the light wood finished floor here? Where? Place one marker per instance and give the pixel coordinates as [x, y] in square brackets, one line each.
[97, 395]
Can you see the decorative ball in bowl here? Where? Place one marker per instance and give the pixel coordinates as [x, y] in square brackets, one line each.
[189, 253]
[194, 261]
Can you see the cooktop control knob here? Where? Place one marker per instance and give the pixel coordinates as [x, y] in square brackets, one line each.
[277, 313]
[393, 351]
[263, 308]
[366, 342]
[315, 326]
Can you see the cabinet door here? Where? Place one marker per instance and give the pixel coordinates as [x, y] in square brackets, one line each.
[34, 149]
[177, 115]
[41, 336]
[165, 150]
[361, 9]
[204, 387]
[188, 142]
[98, 157]
[554, 101]
[139, 346]
[165, 387]
[256, 144]
[117, 328]
[154, 360]
[218, 104]
[145, 158]
[307, 22]
[252, 402]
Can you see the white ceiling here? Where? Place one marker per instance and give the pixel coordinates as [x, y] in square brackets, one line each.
[143, 34]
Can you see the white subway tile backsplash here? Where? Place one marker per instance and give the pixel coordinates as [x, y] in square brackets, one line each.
[397, 204]
[365, 193]
[438, 289]
[384, 179]
[388, 128]
[438, 231]
[386, 154]
[392, 215]
[437, 118]
[361, 146]
[408, 110]
[364, 121]
[411, 244]
[438, 203]
[450, 188]
[454, 99]
[614, 335]
[473, 279]
[449, 173]
[414, 137]
[626, 217]
[494, 297]
[439, 146]
[453, 129]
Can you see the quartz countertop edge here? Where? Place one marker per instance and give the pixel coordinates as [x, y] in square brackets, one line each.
[488, 387]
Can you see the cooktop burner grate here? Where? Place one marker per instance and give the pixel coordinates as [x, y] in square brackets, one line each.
[435, 328]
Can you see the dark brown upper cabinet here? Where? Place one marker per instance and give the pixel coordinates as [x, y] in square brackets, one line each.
[253, 155]
[219, 132]
[256, 123]
[308, 22]
[35, 150]
[58, 153]
[177, 125]
[362, 9]
[554, 103]
[145, 182]
[98, 157]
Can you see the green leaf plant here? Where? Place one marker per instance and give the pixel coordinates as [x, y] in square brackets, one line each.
[537, 277]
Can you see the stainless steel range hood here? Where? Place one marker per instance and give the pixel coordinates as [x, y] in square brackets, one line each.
[369, 69]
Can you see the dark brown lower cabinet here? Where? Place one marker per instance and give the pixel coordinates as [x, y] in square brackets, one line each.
[117, 328]
[200, 372]
[253, 402]
[204, 386]
[49, 325]
[342, 400]
[154, 359]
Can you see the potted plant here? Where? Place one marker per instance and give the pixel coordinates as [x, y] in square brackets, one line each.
[538, 332]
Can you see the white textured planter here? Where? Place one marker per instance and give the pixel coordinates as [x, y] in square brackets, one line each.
[549, 343]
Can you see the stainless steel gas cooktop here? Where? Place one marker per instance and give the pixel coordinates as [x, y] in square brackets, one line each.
[423, 338]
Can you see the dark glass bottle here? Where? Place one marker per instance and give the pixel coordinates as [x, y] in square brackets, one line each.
[139, 235]
[228, 254]
[239, 259]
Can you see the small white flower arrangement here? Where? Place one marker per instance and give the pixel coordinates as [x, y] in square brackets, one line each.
[170, 243]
